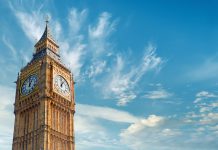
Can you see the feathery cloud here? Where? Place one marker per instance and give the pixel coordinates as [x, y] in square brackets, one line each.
[71, 55]
[99, 34]
[30, 24]
[96, 68]
[158, 94]
[76, 19]
[122, 82]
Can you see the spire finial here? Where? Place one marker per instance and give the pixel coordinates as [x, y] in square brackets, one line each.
[47, 19]
[46, 40]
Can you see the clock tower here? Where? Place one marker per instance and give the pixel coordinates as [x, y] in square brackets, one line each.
[44, 104]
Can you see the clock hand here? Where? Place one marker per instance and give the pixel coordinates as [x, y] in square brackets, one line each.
[29, 83]
[62, 84]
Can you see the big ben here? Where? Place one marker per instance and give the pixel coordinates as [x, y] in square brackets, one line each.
[44, 103]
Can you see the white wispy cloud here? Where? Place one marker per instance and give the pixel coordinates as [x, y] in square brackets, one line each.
[106, 113]
[7, 116]
[99, 34]
[120, 85]
[99, 45]
[158, 94]
[123, 81]
[89, 127]
[57, 30]
[209, 118]
[166, 133]
[208, 69]
[205, 114]
[72, 45]
[75, 48]
[72, 56]
[204, 95]
[169, 133]
[150, 61]
[97, 141]
[151, 121]
[203, 119]
[16, 57]
[31, 23]
[10, 46]
[96, 68]
[153, 132]
[101, 29]
[214, 105]
[76, 19]
[82, 121]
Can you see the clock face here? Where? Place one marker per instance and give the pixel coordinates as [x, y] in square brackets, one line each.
[61, 85]
[29, 84]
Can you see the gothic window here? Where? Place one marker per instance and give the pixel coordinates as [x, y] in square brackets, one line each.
[28, 123]
[53, 145]
[56, 121]
[51, 142]
[24, 125]
[36, 119]
[64, 145]
[64, 120]
[61, 121]
[68, 122]
[37, 142]
[53, 118]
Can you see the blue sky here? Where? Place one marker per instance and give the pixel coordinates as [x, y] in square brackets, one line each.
[146, 71]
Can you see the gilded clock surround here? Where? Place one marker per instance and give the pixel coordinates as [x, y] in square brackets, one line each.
[44, 117]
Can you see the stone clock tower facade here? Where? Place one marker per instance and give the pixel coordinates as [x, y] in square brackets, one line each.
[44, 104]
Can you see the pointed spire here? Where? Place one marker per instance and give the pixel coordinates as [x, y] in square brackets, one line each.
[46, 41]
[46, 34]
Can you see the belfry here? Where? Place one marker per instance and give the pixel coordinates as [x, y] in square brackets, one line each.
[44, 103]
